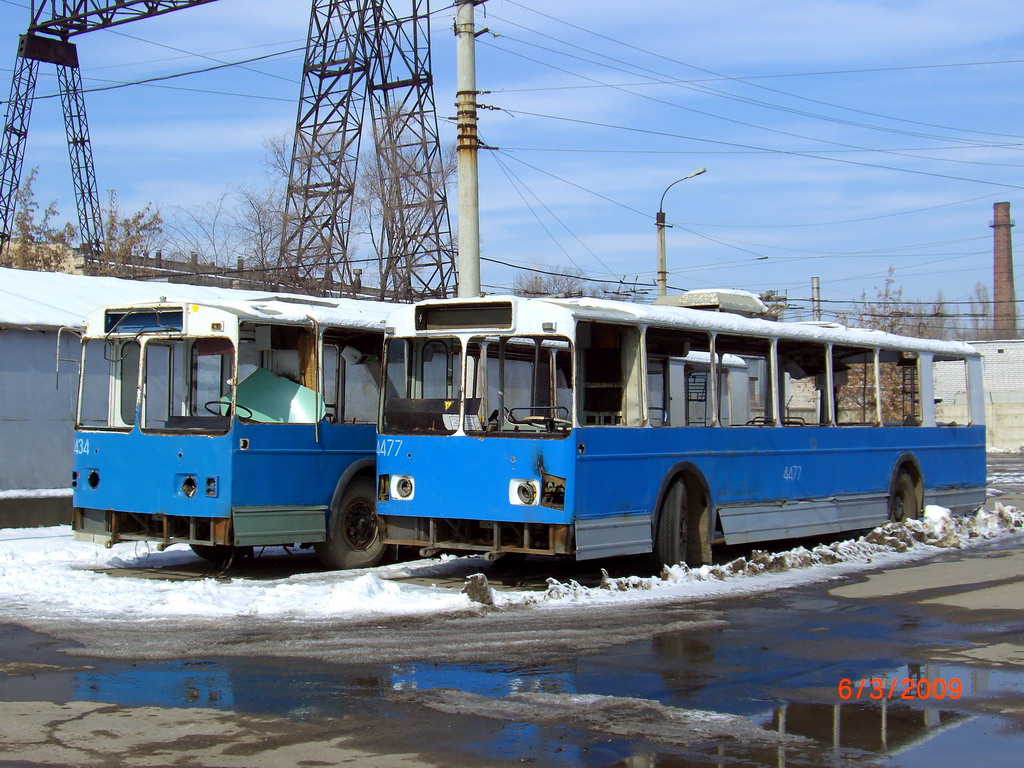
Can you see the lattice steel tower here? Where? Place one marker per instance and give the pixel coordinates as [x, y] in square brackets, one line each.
[358, 52]
[51, 26]
[362, 53]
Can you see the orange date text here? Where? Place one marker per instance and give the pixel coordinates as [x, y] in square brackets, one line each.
[905, 688]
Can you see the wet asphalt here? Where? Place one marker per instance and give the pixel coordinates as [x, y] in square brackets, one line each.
[799, 677]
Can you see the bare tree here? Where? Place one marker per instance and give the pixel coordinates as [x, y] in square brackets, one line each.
[979, 309]
[37, 244]
[127, 239]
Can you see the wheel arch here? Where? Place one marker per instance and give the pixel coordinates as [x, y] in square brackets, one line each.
[362, 468]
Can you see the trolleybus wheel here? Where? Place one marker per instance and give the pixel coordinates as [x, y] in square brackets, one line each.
[353, 534]
[672, 536]
[903, 501]
[681, 536]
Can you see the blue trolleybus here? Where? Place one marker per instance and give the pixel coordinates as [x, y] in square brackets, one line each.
[227, 425]
[593, 428]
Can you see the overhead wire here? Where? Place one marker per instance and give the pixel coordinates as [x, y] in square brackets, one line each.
[511, 175]
[735, 79]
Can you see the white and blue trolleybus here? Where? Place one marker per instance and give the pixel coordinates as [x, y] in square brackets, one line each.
[231, 424]
[594, 428]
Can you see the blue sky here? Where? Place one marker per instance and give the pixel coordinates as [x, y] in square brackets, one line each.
[841, 138]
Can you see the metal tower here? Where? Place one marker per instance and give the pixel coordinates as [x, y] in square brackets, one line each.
[52, 24]
[359, 53]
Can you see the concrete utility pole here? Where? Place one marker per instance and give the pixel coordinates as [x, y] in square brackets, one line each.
[816, 298]
[468, 143]
[659, 222]
[1004, 311]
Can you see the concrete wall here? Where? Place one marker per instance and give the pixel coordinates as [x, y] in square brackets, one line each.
[36, 426]
[1004, 392]
[1003, 370]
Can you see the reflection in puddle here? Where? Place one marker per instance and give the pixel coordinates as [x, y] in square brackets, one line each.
[670, 701]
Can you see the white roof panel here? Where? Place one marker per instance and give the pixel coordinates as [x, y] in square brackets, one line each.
[40, 300]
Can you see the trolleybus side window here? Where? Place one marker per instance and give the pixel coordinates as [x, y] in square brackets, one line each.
[856, 396]
[952, 392]
[278, 375]
[803, 388]
[610, 370]
[678, 377]
[351, 373]
[746, 396]
[899, 387]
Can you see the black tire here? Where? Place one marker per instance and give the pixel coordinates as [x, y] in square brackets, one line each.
[353, 533]
[218, 554]
[681, 535]
[672, 535]
[903, 500]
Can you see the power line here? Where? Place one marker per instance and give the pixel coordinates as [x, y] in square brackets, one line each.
[161, 78]
[767, 150]
[726, 77]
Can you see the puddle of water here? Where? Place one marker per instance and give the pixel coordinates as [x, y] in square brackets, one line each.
[550, 730]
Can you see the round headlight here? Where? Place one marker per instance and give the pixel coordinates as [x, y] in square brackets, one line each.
[403, 487]
[527, 493]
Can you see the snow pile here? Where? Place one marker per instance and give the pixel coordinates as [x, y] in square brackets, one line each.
[44, 574]
[938, 529]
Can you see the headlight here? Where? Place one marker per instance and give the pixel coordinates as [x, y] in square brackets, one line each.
[523, 492]
[402, 487]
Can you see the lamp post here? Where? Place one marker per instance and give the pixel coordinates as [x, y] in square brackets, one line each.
[659, 222]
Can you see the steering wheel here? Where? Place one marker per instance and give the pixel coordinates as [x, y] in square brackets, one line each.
[548, 421]
[218, 404]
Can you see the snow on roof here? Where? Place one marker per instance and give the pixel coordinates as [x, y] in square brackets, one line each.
[726, 322]
[42, 300]
[534, 310]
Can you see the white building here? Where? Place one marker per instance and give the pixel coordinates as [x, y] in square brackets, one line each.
[1004, 393]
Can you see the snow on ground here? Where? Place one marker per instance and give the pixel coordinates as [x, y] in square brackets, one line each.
[44, 574]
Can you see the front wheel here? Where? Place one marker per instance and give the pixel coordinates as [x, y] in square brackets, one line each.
[353, 532]
[903, 501]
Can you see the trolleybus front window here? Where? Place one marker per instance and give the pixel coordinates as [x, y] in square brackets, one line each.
[513, 386]
[519, 385]
[110, 376]
[423, 391]
[186, 385]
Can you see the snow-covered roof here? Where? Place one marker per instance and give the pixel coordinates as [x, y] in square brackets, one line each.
[44, 300]
[531, 312]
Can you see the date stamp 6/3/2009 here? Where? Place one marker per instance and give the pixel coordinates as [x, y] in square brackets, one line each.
[905, 688]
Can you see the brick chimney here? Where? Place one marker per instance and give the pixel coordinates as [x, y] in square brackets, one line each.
[1004, 315]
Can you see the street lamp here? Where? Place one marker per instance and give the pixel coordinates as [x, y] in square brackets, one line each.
[659, 222]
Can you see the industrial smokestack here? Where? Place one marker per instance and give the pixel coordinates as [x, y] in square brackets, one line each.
[1004, 314]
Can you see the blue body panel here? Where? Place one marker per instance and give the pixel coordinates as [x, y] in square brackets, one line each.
[283, 466]
[623, 469]
[468, 478]
[619, 472]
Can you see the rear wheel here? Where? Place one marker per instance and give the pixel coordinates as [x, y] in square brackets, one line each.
[903, 501]
[353, 534]
[681, 535]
